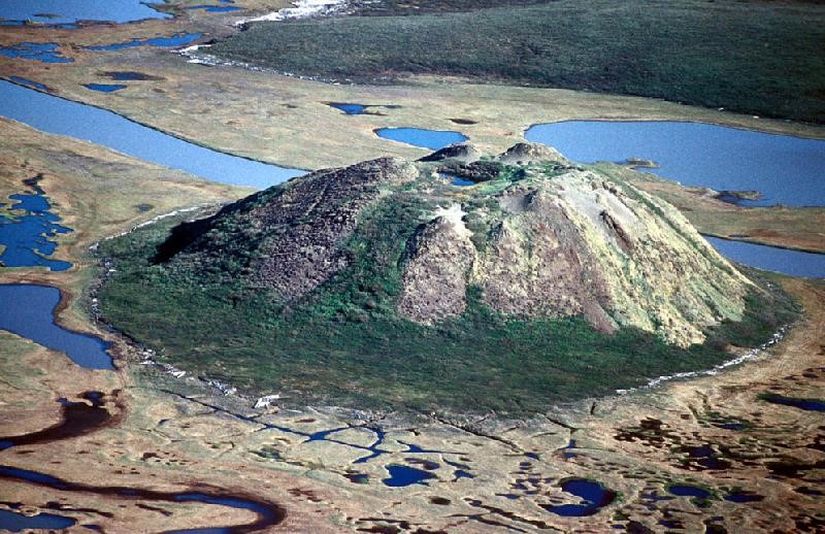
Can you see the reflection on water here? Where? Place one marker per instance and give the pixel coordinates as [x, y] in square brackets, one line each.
[181, 39]
[17, 522]
[26, 231]
[43, 52]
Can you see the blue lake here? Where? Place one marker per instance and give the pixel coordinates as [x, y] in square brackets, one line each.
[432, 139]
[809, 405]
[43, 52]
[105, 87]
[785, 169]
[28, 311]
[461, 182]
[780, 260]
[594, 497]
[65, 117]
[216, 9]
[174, 41]
[61, 12]
[27, 235]
[402, 475]
[349, 109]
[15, 522]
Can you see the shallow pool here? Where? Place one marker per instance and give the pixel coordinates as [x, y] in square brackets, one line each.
[43, 52]
[26, 235]
[173, 41]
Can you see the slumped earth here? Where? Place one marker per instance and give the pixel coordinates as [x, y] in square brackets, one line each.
[148, 446]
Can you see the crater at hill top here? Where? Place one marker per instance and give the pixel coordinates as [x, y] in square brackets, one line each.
[383, 283]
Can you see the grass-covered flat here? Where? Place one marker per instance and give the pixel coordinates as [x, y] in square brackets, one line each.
[755, 57]
[344, 287]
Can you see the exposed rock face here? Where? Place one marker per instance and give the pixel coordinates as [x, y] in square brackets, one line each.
[439, 258]
[525, 153]
[538, 240]
[580, 244]
[538, 265]
[289, 238]
[463, 152]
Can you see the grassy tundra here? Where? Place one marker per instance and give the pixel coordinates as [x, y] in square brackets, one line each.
[763, 58]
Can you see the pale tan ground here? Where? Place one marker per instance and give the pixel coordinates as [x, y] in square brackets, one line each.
[190, 444]
[96, 192]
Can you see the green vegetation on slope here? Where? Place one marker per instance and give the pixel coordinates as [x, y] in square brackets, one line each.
[754, 57]
[343, 343]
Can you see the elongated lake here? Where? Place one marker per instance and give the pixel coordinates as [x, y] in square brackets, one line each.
[420, 137]
[60, 12]
[65, 117]
[780, 260]
[28, 311]
[784, 169]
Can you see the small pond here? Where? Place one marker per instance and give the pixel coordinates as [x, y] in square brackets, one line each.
[780, 260]
[403, 475]
[784, 169]
[65, 117]
[349, 109]
[809, 405]
[43, 52]
[594, 497]
[28, 311]
[432, 139]
[17, 522]
[104, 87]
[27, 229]
[63, 12]
[174, 41]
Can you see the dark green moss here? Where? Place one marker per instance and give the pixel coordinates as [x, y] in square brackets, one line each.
[343, 343]
[751, 57]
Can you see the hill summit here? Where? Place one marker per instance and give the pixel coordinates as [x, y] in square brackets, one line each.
[460, 281]
[534, 234]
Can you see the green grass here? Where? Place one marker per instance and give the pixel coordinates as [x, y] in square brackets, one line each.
[753, 57]
[343, 343]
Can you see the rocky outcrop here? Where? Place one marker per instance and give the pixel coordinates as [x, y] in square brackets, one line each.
[438, 260]
[538, 265]
[526, 153]
[289, 238]
[536, 240]
[461, 152]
